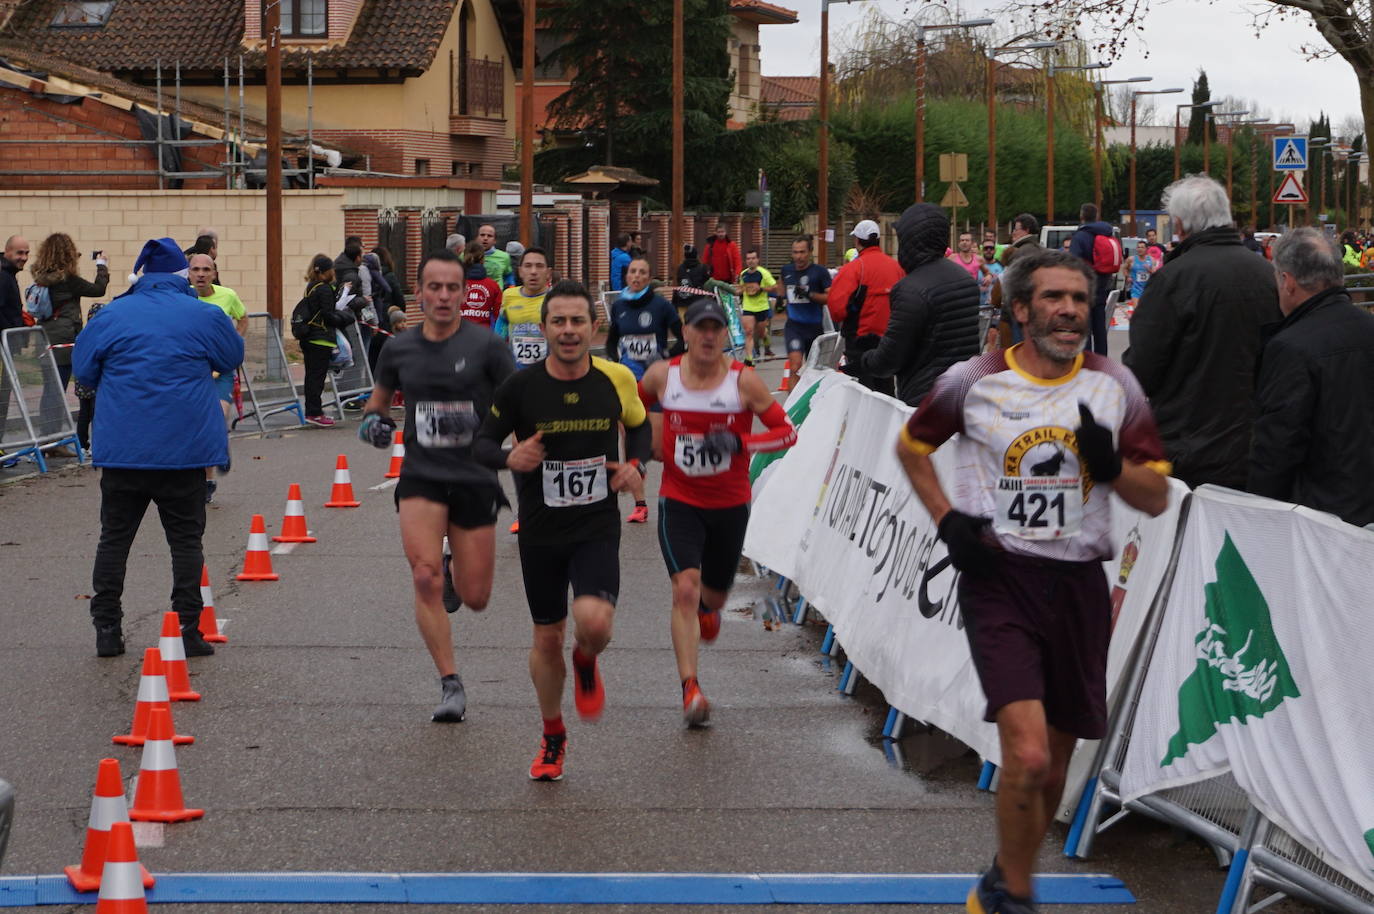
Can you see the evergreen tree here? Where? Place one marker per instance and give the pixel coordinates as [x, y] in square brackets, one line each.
[1198, 120]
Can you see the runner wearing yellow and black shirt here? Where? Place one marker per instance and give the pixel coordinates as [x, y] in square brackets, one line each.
[566, 411]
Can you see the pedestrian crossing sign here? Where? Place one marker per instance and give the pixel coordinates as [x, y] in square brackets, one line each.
[1290, 190]
[1290, 153]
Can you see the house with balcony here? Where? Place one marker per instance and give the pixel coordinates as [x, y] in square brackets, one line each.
[417, 92]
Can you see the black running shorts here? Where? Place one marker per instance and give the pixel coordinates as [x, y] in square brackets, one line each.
[1038, 630]
[590, 568]
[710, 539]
[469, 506]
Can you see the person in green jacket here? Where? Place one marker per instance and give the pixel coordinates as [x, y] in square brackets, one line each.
[496, 260]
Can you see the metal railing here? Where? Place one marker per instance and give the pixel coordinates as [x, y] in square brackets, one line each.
[482, 88]
[355, 381]
[266, 375]
[31, 388]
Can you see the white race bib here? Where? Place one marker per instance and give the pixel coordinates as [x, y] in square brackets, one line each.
[1039, 507]
[641, 347]
[574, 482]
[529, 349]
[694, 459]
[440, 423]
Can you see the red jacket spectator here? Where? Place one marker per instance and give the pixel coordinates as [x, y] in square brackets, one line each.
[483, 300]
[722, 256]
[880, 273]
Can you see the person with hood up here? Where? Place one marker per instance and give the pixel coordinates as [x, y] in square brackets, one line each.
[934, 309]
[1082, 245]
[722, 255]
[692, 274]
[149, 355]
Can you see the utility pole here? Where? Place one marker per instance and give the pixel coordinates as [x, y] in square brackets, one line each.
[526, 126]
[823, 178]
[274, 245]
[675, 239]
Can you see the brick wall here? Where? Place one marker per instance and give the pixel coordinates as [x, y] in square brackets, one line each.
[396, 151]
[24, 116]
[656, 241]
[598, 245]
[119, 222]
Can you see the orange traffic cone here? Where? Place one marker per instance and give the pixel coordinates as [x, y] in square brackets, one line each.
[209, 625]
[174, 660]
[257, 563]
[398, 454]
[158, 797]
[107, 808]
[342, 494]
[786, 384]
[152, 696]
[293, 522]
[121, 880]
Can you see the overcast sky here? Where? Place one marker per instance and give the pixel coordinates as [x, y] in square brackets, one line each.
[1179, 37]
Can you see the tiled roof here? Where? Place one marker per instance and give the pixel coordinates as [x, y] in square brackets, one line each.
[388, 34]
[767, 12]
[790, 90]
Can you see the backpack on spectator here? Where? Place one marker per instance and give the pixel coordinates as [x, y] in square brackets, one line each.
[1106, 254]
[37, 304]
[302, 319]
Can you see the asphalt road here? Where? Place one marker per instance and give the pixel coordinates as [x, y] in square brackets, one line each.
[314, 750]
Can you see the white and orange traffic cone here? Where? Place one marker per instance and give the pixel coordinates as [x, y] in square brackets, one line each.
[398, 455]
[341, 496]
[293, 529]
[209, 625]
[257, 562]
[174, 660]
[786, 384]
[121, 878]
[152, 696]
[107, 808]
[158, 796]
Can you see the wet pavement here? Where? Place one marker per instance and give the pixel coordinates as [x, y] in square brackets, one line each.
[314, 750]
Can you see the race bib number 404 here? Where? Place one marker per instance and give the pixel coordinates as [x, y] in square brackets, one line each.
[440, 423]
[640, 346]
[574, 482]
[1039, 507]
[693, 458]
[529, 349]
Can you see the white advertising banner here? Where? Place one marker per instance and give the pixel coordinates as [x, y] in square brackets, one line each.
[840, 519]
[1262, 669]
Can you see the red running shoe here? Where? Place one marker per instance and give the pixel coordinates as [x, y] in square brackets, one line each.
[589, 694]
[709, 620]
[696, 710]
[640, 515]
[548, 764]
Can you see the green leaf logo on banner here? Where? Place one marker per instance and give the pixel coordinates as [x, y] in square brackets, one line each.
[798, 413]
[1241, 670]
[1369, 840]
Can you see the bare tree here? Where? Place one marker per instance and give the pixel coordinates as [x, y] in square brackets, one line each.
[1346, 28]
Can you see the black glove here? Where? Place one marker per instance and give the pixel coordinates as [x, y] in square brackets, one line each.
[1095, 447]
[722, 441]
[377, 430]
[852, 364]
[964, 537]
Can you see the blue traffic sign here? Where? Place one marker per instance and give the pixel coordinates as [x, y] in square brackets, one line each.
[1290, 153]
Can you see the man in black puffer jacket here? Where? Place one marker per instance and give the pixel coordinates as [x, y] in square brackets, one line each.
[934, 321]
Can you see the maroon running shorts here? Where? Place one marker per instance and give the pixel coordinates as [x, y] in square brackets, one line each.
[1038, 630]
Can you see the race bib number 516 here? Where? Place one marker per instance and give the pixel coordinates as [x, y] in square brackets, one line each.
[693, 458]
[1039, 507]
[574, 482]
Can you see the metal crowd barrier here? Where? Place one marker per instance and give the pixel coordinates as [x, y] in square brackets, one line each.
[6, 816]
[1275, 859]
[266, 377]
[354, 382]
[825, 351]
[36, 416]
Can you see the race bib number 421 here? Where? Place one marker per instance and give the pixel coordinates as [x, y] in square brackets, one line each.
[574, 482]
[1039, 507]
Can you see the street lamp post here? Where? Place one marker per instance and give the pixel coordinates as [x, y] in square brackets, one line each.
[1213, 116]
[1317, 146]
[1097, 132]
[1134, 96]
[1178, 144]
[921, 94]
[1049, 131]
[992, 117]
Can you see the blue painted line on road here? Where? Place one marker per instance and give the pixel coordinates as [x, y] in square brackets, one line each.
[566, 888]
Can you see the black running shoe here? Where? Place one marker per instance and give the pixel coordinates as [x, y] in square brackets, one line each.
[109, 641]
[453, 707]
[989, 895]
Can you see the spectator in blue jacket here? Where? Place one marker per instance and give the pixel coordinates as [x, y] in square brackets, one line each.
[149, 355]
[620, 262]
[1081, 246]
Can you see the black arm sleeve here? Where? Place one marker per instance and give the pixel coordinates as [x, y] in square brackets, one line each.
[639, 442]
